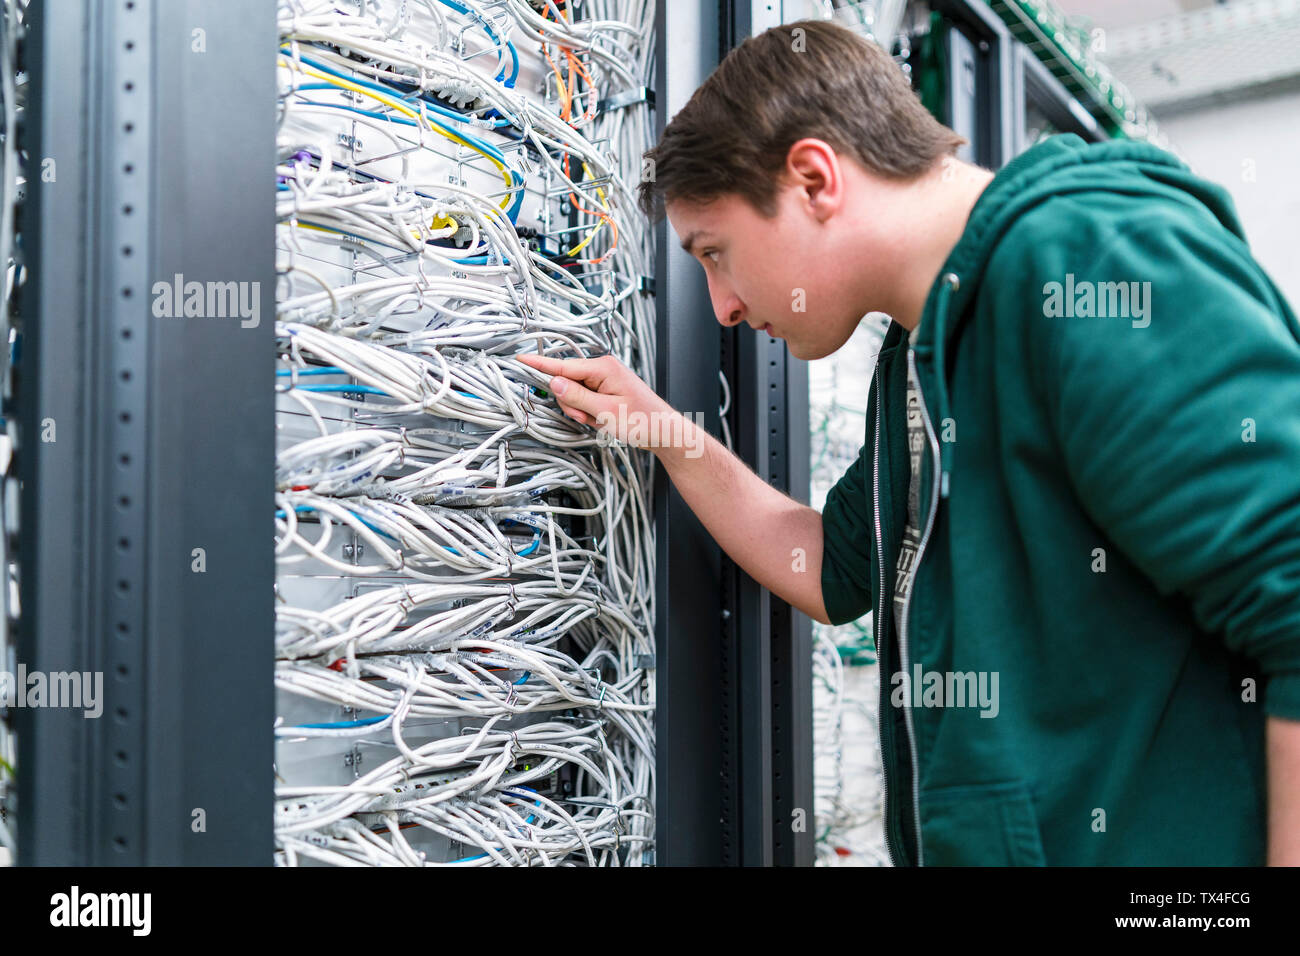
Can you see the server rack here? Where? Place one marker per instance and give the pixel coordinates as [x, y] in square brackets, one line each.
[767, 644]
[146, 524]
[992, 83]
[734, 725]
[165, 451]
[1037, 91]
[691, 755]
[979, 85]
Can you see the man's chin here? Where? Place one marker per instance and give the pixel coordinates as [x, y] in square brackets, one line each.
[799, 351]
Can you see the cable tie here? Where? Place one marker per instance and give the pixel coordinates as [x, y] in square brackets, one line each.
[527, 406]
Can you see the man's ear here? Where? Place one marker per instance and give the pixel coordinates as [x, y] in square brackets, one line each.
[813, 166]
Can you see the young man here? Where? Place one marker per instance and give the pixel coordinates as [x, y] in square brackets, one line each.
[1080, 483]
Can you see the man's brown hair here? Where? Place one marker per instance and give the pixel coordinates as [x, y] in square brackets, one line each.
[810, 78]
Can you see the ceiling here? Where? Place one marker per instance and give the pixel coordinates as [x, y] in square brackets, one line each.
[1115, 14]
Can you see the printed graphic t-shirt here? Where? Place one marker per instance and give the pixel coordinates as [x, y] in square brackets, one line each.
[912, 530]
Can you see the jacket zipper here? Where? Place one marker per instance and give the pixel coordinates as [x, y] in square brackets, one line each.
[907, 602]
[881, 710]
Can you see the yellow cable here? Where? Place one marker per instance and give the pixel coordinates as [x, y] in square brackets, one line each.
[403, 108]
[600, 225]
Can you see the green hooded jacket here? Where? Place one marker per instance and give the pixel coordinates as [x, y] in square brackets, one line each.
[1106, 601]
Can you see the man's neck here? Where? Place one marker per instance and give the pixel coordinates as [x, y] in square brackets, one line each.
[945, 201]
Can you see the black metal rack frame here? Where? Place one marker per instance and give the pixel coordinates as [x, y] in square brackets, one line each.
[164, 452]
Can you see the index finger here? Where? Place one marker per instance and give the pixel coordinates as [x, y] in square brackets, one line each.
[577, 369]
[543, 363]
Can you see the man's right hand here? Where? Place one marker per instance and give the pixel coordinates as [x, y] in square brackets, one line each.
[777, 540]
[591, 391]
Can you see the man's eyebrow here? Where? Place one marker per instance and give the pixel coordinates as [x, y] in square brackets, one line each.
[689, 242]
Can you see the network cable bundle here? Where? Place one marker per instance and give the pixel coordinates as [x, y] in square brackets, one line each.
[465, 583]
[13, 94]
[846, 756]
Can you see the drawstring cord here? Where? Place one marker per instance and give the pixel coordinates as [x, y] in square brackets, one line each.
[949, 284]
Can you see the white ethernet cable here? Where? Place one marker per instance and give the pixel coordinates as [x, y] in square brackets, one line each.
[13, 18]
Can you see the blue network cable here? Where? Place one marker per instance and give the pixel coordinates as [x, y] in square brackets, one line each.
[529, 821]
[487, 148]
[343, 724]
[507, 81]
[301, 509]
[328, 370]
[533, 546]
[387, 90]
[369, 721]
[367, 389]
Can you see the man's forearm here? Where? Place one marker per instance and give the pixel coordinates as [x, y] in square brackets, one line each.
[1283, 745]
[775, 539]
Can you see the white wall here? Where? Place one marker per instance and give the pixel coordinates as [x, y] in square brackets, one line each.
[1226, 144]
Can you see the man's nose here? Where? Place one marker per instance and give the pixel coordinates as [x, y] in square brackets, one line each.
[733, 317]
[728, 308]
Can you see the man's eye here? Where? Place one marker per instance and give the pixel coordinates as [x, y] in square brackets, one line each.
[711, 254]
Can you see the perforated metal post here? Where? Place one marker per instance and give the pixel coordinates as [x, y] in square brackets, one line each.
[146, 526]
[692, 746]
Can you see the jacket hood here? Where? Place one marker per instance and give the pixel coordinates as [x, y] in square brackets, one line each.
[1058, 166]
